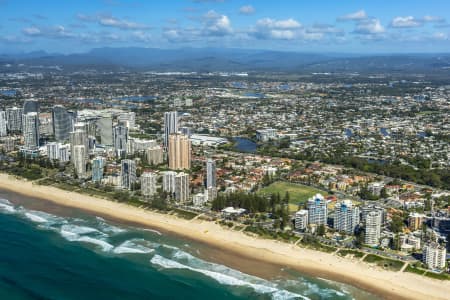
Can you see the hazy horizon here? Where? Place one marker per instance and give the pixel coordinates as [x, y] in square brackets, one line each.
[355, 27]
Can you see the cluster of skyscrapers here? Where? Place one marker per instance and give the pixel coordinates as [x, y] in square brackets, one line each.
[347, 218]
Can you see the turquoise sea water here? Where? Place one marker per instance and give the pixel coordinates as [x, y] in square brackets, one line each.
[78, 256]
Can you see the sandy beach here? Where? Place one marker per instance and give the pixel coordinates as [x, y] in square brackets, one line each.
[387, 284]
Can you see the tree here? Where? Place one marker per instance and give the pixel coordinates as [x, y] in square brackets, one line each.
[321, 230]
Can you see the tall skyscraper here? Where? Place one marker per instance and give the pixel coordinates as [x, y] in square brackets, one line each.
[3, 123]
[79, 160]
[62, 123]
[78, 138]
[182, 187]
[30, 105]
[97, 169]
[317, 210]
[14, 117]
[346, 217]
[210, 173]
[170, 126]
[128, 173]
[105, 130]
[179, 152]
[31, 130]
[120, 138]
[148, 184]
[169, 182]
[373, 228]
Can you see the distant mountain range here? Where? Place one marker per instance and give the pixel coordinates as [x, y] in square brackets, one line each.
[230, 60]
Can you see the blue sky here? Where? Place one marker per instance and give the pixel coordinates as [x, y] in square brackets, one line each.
[379, 26]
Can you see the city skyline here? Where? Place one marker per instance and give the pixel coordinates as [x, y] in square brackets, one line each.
[327, 26]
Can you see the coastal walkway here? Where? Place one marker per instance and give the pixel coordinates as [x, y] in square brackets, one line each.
[404, 267]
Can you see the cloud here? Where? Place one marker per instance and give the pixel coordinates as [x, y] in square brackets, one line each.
[141, 36]
[405, 22]
[31, 31]
[13, 39]
[54, 32]
[324, 28]
[268, 28]
[354, 16]
[433, 19]
[369, 27]
[178, 35]
[215, 24]
[111, 21]
[247, 10]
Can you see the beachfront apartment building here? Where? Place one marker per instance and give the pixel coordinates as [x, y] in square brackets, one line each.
[98, 164]
[169, 181]
[3, 124]
[317, 210]
[301, 219]
[31, 130]
[128, 173]
[79, 160]
[373, 228]
[182, 187]
[346, 217]
[78, 138]
[148, 184]
[434, 255]
[210, 173]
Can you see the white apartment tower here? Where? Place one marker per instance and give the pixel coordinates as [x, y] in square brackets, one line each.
[210, 173]
[79, 160]
[182, 187]
[301, 219]
[31, 130]
[148, 184]
[3, 123]
[346, 217]
[434, 255]
[317, 210]
[373, 228]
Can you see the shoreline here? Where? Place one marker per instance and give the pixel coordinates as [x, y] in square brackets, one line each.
[387, 284]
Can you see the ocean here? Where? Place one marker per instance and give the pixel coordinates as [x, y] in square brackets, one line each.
[61, 253]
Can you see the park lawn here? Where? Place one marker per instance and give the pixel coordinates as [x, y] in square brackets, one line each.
[297, 193]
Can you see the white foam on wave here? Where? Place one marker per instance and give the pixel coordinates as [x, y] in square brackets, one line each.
[104, 245]
[313, 288]
[153, 230]
[4, 201]
[6, 207]
[263, 287]
[131, 247]
[77, 229]
[35, 218]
